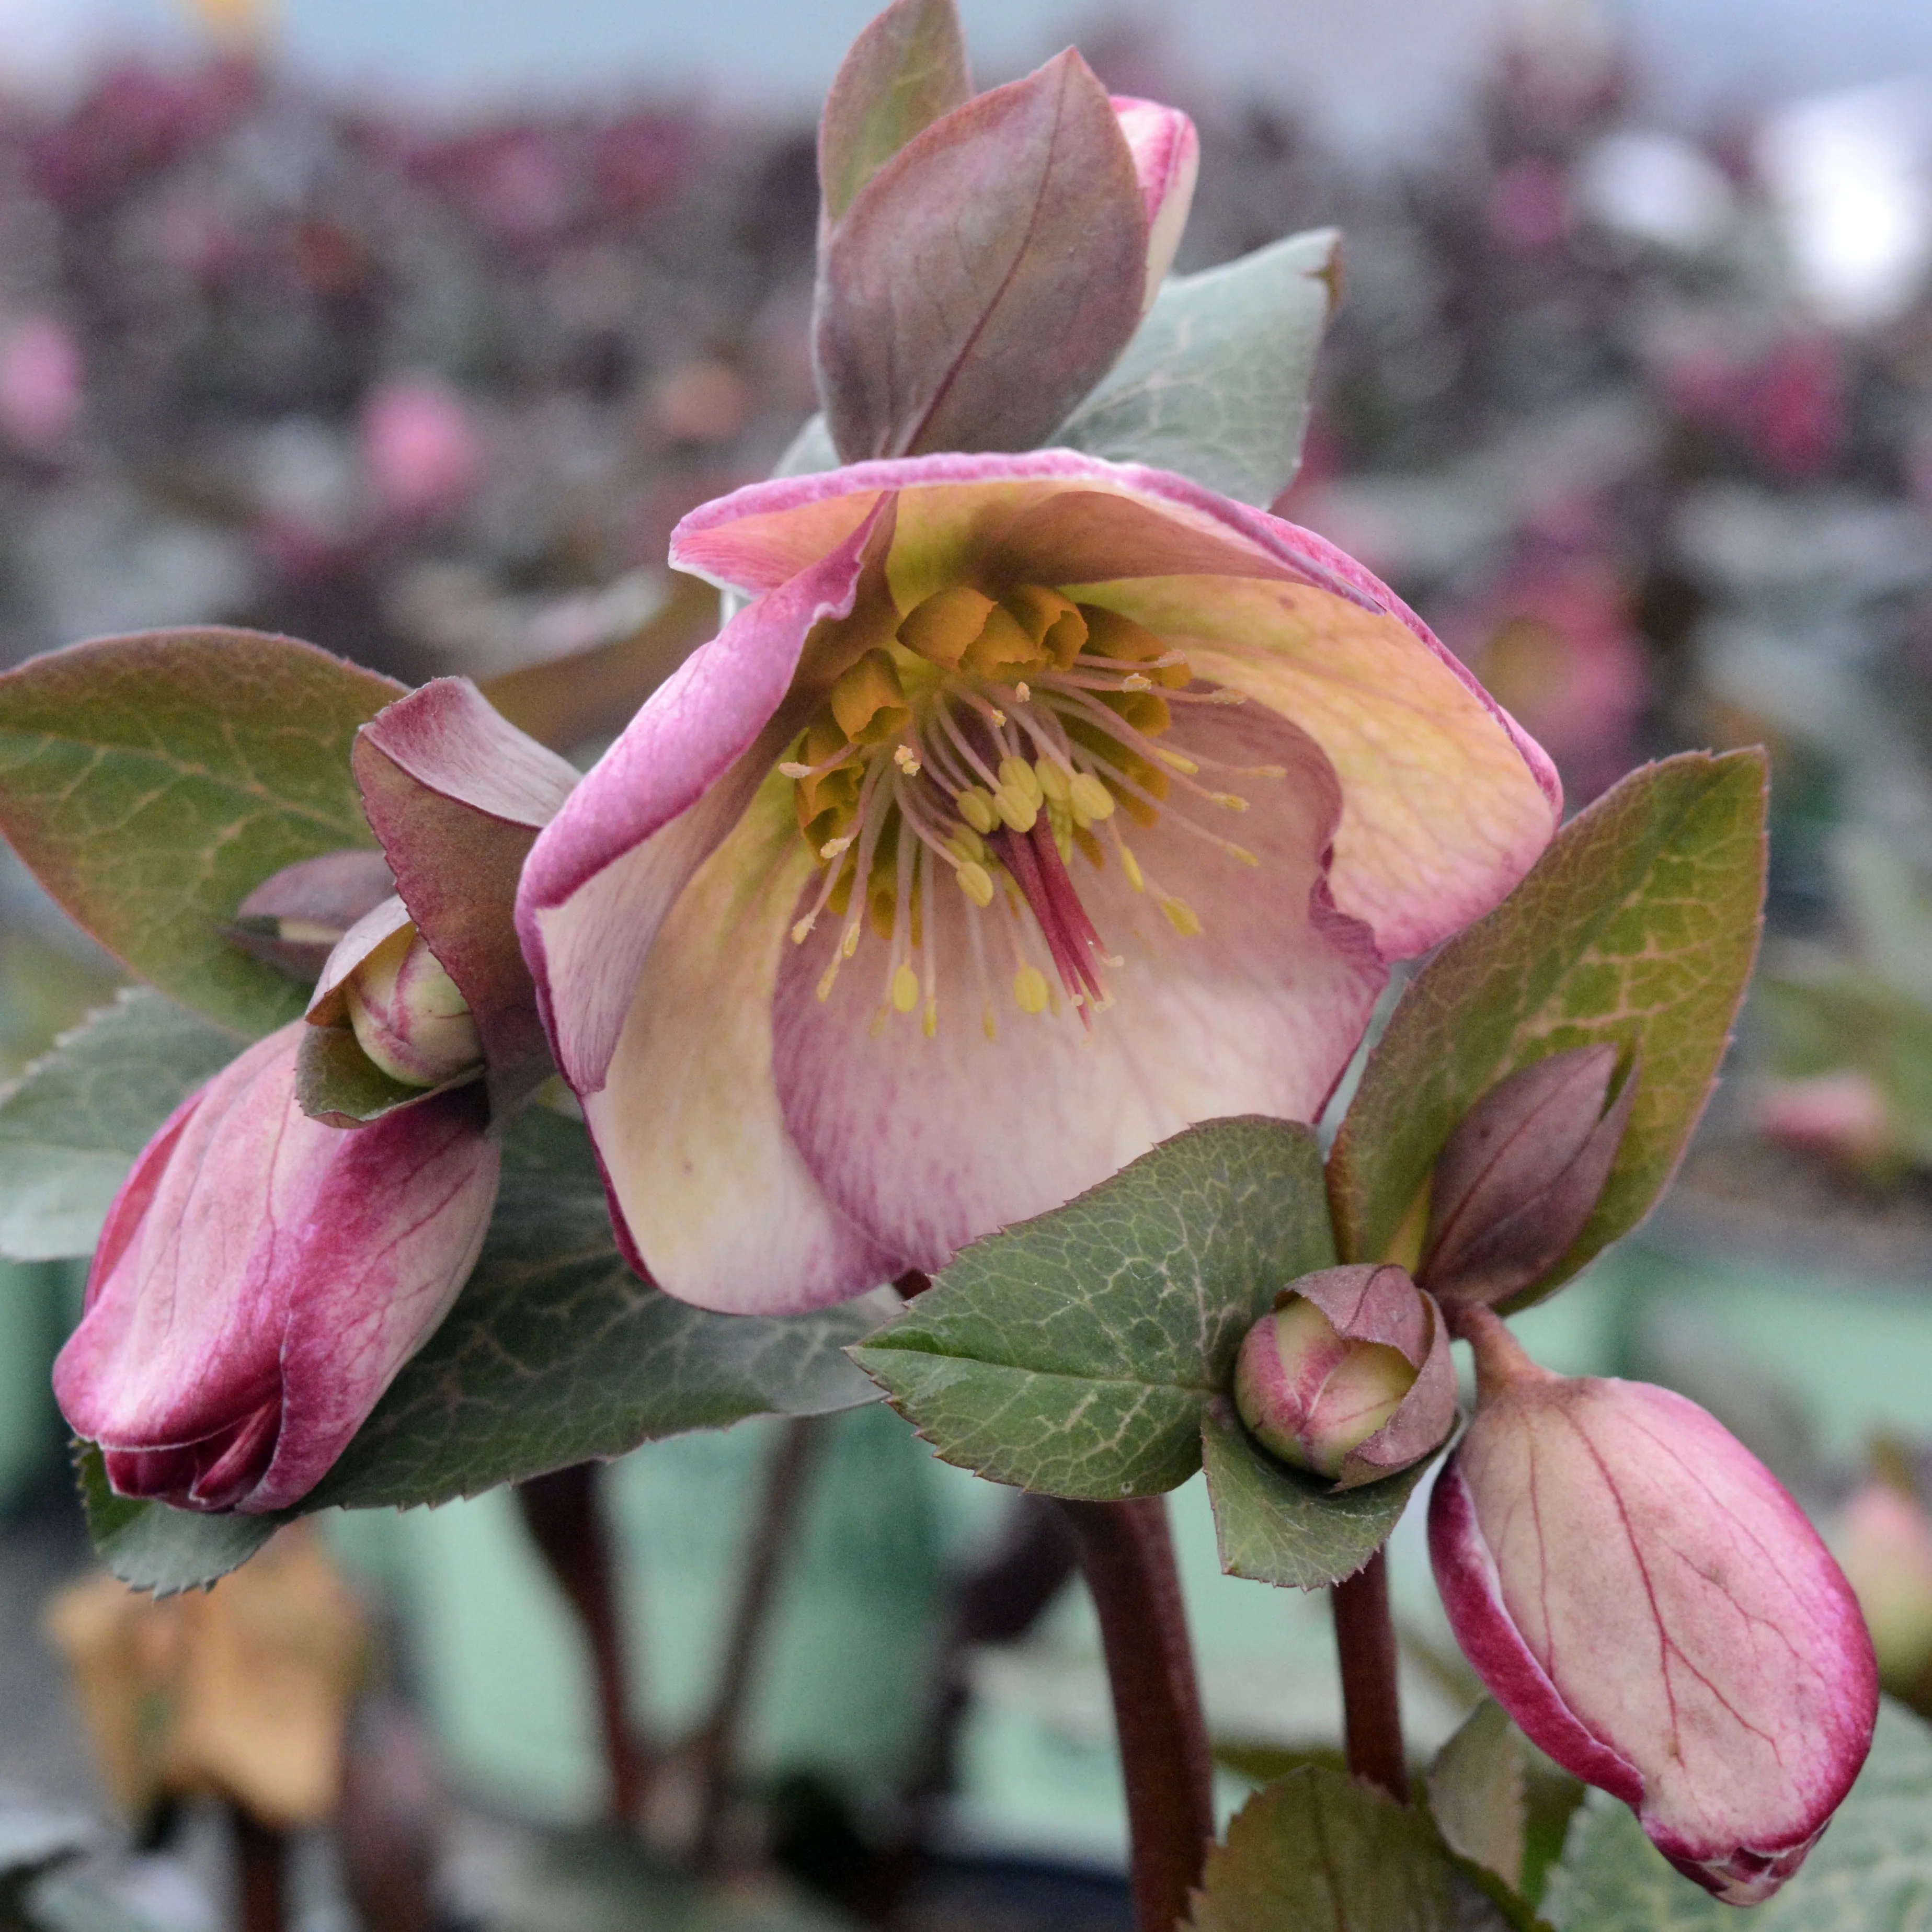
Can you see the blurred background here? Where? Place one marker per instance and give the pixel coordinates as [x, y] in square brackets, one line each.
[411, 329]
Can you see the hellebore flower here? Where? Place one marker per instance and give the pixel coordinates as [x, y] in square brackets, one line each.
[1646, 1601]
[261, 1277]
[1350, 1377]
[298, 1229]
[913, 903]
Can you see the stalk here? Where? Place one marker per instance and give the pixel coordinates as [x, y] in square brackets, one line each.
[1371, 1714]
[1126, 1554]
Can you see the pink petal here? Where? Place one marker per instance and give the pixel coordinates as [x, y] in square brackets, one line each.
[1167, 158]
[607, 869]
[261, 1279]
[1654, 1609]
[927, 1143]
[450, 738]
[718, 1207]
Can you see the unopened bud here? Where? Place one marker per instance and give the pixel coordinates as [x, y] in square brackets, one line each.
[1883, 1543]
[1350, 1377]
[1167, 159]
[295, 918]
[1521, 1174]
[408, 1016]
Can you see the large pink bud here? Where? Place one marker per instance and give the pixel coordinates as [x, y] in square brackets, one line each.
[261, 1278]
[1645, 1600]
[1167, 159]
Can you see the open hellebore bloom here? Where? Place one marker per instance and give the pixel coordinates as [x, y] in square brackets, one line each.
[1035, 807]
[1646, 1601]
[1350, 1377]
[261, 1278]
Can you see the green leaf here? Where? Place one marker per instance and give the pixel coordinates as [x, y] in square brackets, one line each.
[152, 782]
[906, 69]
[1871, 1872]
[1478, 1794]
[1274, 1525]
[70, 1127]
[1216, 383]
[1639, 925]
[151, 1546]
[1077, 1353]
[336, 1081]
[556, 1353]
[1319, 1852]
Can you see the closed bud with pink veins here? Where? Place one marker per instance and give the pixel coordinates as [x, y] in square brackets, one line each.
[1167, 161]
[1349, 1377]
[1648, 1603]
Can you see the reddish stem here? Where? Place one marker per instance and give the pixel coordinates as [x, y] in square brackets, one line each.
[562, 1514]
[261, 1872]
[1126, 1554]
[1371, 1710]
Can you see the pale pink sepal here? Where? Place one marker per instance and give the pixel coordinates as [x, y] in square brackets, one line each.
[1167, 159]
[1648, 1603]
[261, 1278]
[606, 870]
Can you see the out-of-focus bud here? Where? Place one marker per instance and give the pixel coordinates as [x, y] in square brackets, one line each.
[1521, 1175]
[408, 1015]
[1884, 1544]
[295, 918]
[261, 1277]
[1167, 159]
[1645, 1599]
[1845, 1115]
[420, 446]
[43, 387]
[1350, 1377]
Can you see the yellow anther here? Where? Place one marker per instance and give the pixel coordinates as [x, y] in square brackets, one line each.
[1029, 990]
[1233, 801]
[1181, 916]
[906, 759]
[1056, 783]
[1175, 759]
[832, 847]
[941, 628]
[1268, 771]
[966, 845]
[1225, 696]
[1131, 866]
[1090, 796]
[1242, 852]
[1134, 681]
[976, 883]
[905, 989]
[849, 944]
[1018, 810]
[825, 980]
[990, 1025]
[1089, 846]
[801, 931]
[1021, 777]
[975, 806]
[999, 716]
[929, 1020]
[1023, 692]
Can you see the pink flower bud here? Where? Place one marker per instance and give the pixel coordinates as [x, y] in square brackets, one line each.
[1884, 1542]
[408, 1016]
[1167, 158]
[1646, 1601]
[1521, 1175]
[42, 386]
[260, 1280]
[1350, 1377]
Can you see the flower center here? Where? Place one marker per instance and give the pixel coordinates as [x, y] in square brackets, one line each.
[1002, 740]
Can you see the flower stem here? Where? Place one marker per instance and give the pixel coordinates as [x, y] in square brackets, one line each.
[261, 1872]
[1371, 1713]
[561, 1511]
[714, 1749]
[1126, 1554]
